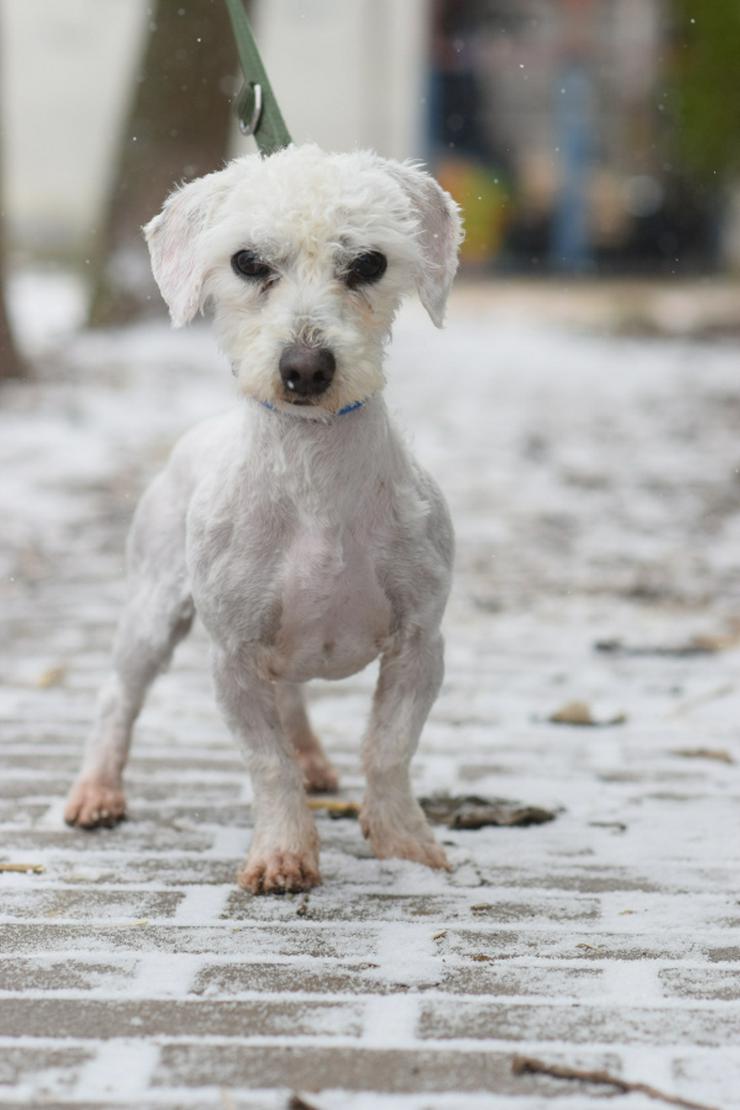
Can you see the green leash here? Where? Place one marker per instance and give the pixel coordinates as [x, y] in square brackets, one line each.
[256, 105]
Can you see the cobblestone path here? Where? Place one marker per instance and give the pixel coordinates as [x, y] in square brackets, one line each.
[594, 489]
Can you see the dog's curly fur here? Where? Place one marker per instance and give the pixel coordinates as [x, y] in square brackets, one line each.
[309, 543]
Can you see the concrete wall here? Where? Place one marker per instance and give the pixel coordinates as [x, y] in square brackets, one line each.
[66, 69]
[349, 73]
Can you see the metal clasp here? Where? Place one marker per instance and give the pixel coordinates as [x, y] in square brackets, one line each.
[250, 94]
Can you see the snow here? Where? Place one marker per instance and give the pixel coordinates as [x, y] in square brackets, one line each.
[594, 482]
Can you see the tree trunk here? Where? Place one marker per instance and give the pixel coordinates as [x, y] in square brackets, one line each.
[11, 363]
[178, 128]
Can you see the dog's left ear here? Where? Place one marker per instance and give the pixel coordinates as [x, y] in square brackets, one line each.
[174, 238]
[440, 233]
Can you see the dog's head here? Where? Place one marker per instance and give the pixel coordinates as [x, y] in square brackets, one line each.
[305, 257]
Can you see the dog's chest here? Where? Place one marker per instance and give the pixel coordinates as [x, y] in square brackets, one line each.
[334, 617]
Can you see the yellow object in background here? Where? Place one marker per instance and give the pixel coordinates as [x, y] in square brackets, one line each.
[485, 204]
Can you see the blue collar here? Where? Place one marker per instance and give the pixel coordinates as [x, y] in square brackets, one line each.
[342, 412]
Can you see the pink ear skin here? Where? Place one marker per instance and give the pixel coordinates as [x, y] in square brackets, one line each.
[174, 238]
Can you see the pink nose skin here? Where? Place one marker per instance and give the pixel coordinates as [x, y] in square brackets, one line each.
[306, 371]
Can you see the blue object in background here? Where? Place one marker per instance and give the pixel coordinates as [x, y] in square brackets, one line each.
[569, 243]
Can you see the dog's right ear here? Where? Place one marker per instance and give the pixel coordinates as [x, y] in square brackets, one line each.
[174, 238]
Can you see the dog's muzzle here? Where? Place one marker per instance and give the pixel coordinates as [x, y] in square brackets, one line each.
[306, 371]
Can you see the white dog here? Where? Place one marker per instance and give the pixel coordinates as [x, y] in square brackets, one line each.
[298, 528]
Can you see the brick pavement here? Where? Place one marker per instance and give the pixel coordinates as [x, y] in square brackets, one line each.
[134, 973]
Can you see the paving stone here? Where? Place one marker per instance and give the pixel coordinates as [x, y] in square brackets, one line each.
[595, 945]
[372, 906]
[382, 1070]
[712, 983]
[88, 904]
[51, 1068]
[36, 974]
[202, 939]
[581, 1024]
[36, 1017]
[32, 787]
[130, 837]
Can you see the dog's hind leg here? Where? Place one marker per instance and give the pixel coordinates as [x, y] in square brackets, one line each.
[318, 774]
[158, 615]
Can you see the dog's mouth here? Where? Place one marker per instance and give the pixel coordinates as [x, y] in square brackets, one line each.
[299, 402]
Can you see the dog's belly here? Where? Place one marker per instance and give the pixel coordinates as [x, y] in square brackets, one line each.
[334, 616]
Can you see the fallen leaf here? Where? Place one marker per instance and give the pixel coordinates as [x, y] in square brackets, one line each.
[473, 812]
[579, 713]
[335, 807]
[52, 676]
[718, 754]
[703, 643]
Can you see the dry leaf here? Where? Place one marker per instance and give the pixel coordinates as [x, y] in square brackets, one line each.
[579, 713]
[470, 811]
[718, 754]
[335, 807]
[52, 676]
[703, 643]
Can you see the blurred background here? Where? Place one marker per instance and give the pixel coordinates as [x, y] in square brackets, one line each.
[595, 138]
[594, 149]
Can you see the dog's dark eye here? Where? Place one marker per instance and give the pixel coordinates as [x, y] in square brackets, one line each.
[366, 268]
[249, 265]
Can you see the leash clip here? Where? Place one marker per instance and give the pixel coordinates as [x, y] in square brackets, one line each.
[251, 94]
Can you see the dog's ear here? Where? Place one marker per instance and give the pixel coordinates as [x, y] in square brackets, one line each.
[440, 233]
[174, 238]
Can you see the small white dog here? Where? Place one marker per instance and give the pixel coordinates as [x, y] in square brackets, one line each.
[298, 528]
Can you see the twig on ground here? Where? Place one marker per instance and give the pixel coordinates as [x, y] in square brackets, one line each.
[24, 868]
[701, 699]
[524, 1065]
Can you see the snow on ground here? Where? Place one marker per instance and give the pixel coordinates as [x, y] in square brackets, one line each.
[595, 486]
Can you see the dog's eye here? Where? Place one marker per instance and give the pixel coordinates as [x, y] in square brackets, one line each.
[366, 268]
[249, 265]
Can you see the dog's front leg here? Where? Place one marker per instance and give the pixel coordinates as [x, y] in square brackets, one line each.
[411, 673]
[284, 851]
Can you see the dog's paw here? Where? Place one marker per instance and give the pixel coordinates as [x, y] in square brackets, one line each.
[279, 872]
[402, 846]
[92, 804]
[319, 777]
[412, 840]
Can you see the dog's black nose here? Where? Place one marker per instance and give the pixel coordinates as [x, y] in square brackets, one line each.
[307, 371]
